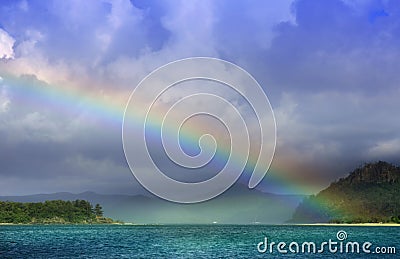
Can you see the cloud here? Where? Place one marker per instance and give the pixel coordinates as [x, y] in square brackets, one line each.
[322, 52]
[321, 129]
[4, 100]
[386, 148]
[330, 70]
[243, 27]
[6, 45]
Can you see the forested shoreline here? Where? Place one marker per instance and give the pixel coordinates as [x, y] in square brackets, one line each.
[369, 194]
[52, 212]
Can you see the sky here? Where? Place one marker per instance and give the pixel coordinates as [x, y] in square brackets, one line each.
[67, 68]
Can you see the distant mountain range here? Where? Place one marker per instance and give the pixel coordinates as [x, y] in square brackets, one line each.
[369, 194]
[238, 205]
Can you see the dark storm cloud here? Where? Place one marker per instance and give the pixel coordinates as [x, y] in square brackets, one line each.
[330, 69]
[332, 77]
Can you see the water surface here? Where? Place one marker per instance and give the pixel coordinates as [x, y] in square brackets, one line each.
[182, 241]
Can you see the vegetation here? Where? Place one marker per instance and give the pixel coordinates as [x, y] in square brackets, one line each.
[370, 194]
[52, 212]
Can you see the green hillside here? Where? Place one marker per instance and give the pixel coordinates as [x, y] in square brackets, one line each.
[369, 194]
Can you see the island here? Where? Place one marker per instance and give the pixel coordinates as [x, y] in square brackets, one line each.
[369, 194]
[52, 212]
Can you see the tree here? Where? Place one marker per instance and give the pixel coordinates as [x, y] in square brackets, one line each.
[98, 210]
[54, 211]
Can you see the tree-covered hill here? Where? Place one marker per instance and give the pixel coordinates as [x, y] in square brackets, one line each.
[369, 194]
[52, 212]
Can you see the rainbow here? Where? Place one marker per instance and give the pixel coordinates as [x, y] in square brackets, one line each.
[67, 100]
[109, 108]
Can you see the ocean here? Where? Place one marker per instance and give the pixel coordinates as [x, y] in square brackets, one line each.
[197, 241]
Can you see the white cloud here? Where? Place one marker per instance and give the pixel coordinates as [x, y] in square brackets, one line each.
[5, 105]
[28, 47]
[191, 24]
[385, 148]
[4, 99]
[6, 45]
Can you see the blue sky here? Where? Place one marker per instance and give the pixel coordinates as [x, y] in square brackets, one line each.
[330, 69]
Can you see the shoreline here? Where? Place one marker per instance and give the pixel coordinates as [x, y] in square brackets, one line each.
[350, 224]
[221, 224]
[58, 224]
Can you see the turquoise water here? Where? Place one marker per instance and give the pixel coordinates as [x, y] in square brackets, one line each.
[184, 241]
